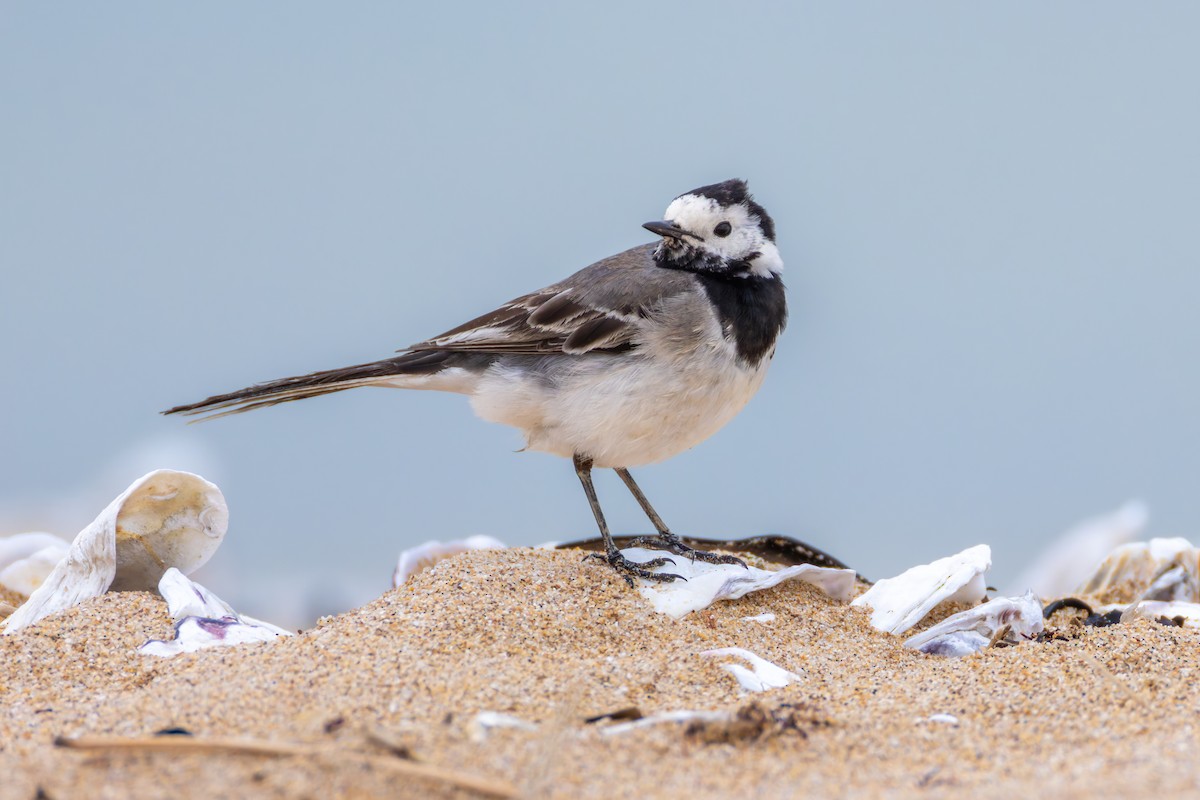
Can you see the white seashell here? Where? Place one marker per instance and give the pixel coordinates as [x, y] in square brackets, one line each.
[203, 620]
[763, 674]
[186, 598]
[486, 721]
[957, 644]
[26, 559]
[1188, 613]
[164, 519]
[1073, 556]
[1175, 582]
[899, 603]
[199, 633]
[168, 519]
[22, 545]
[1160, 569]
[665, 717]
[767, 617]
[1014, 619]
[706, 583]
[424, 556]
[942, 719]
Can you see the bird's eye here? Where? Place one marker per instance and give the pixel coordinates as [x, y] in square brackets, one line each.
[723, 229]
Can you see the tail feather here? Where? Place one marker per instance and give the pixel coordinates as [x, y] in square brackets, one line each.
[375, 373]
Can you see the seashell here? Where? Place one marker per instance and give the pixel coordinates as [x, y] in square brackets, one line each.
[27, 558]
[164, 519]
[22, 545]
[1160, 569]
[1174, 582]
[706, 583]
[483, 723]
[203, 620]
[424, 556]
[1073, 556]
[1188, 614]
[667, 717]
[1009, 619]
[762, 674]
[774, 548]
[899, 603]
[941, 719]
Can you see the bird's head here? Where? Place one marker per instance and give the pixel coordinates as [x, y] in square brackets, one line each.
[718, 230]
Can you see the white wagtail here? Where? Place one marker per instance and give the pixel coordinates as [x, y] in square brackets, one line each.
[630, 361]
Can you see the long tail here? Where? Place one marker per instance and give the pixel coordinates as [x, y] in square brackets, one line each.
[376, 373]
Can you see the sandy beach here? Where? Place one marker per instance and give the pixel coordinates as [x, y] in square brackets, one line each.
[385, 701]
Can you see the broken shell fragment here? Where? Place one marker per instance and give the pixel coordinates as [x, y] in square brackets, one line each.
[1160, 569]
[1185, 614]
[749, 723]
[762, 674]
[706, 583]
[899, 603]
[26, 559]
[941, 719]
[483, 723]
[198, 633]
[203, 620]
[667, 717]
[424, 556]
[164, 519]
[1176, 581]
[171, 519]
[774, 549]
[1008, 619]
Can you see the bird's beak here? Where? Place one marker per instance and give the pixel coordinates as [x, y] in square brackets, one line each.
[666, 228]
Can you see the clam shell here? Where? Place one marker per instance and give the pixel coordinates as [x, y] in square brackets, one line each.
[26, 559]
[760, 676]
[972, 630]
[705, 583]
[168, 519]
[424, 556]
[899, 603]
[1160, 569]
[203, 620]
[1188, 614]
[164, 519]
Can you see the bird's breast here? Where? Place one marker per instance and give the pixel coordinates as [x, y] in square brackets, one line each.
[625, 410]
[752, 312]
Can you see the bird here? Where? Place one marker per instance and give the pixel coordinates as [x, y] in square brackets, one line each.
[628, 362]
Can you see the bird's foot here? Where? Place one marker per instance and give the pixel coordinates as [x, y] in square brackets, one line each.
[672, 544]
[632, 569]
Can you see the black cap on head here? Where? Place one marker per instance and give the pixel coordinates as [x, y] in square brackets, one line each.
[732, 192]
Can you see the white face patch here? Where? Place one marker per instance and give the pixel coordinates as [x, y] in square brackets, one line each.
[701, 215]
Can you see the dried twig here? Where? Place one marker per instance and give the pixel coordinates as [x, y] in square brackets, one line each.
[259, 747]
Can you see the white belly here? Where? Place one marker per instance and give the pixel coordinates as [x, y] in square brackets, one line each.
[622, 410]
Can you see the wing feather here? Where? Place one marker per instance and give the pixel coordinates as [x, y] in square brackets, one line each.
[598, 333]
[598, 309]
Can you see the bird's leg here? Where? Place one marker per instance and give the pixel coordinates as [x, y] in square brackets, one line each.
[665, 540]
[626, 568]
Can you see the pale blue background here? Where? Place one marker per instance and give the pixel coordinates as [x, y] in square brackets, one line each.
[988, 213]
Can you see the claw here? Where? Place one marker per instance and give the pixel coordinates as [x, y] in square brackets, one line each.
[672, 544]
[630, 569]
